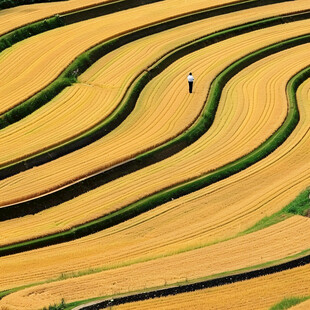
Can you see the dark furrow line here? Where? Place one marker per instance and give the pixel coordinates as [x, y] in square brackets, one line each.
[181, 189]
[5, 4]
[164, 150]
[197, 286]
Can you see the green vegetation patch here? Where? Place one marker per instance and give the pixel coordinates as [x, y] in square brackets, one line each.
[299, 206]
[61, 306]
[289, 302]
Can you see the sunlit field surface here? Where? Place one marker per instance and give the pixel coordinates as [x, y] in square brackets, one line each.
[235, 223]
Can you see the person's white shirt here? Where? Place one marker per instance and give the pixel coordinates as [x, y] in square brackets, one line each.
[190, 78]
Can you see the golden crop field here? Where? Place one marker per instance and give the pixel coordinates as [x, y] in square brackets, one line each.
[79, 164]
[194, 160]
[198, 234]
[16, 17]
[35, 59]
[106, 97]
[271, 244]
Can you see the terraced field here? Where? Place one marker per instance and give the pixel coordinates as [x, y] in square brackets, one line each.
[105, 193]
[252, 294]
[115, 181]
[187, 266]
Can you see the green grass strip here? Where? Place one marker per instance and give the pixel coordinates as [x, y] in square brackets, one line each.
[289, 302]
[184, 188]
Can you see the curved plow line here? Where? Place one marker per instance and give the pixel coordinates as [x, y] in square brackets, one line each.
[178, 190]
[83, 62]
[181, 288]
[202, 124]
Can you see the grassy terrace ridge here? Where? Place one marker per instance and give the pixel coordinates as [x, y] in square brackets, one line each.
[194, 184]
[5, 4]
[86, 59]
[288, 302]
[297, 206]
[161, 152]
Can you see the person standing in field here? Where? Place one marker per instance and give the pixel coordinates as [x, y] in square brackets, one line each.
[190, 79]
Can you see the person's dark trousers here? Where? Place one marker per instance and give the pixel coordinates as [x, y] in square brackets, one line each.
[190, 85]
